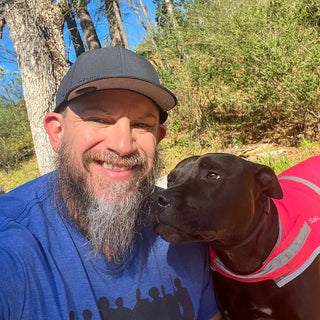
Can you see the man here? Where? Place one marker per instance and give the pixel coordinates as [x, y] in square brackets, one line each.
[76, 243]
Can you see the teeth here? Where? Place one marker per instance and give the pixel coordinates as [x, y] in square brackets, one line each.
[114, 167]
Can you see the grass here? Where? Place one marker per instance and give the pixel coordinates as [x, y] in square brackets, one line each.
[278, 163]
[174, 150]
[26, 171]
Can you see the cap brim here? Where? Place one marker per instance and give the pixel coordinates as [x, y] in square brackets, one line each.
[163, 97]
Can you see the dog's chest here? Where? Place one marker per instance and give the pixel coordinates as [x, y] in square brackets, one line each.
[266, 301]
[243, 301]
[288, 285]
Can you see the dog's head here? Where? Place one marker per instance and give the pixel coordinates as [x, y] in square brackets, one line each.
[216, 198]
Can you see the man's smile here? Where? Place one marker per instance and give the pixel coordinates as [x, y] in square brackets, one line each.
[117, 171]
[116, 167]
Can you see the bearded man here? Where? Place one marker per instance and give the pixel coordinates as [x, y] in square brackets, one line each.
[76, 243]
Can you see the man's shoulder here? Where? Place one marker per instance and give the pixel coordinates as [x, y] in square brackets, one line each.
[24, 212]
[16, 203]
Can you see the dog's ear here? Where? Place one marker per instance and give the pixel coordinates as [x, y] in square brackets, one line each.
[185, 161]
[268, 182]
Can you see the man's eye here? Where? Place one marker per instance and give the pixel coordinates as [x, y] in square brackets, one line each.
[212, 176]
[142, 125]
[99, 121]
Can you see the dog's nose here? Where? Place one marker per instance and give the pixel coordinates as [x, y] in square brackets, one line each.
[163, 201]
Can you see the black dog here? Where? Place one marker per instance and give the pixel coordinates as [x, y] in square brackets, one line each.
[265, 256]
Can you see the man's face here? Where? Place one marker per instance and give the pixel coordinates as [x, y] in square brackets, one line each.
[107, 163]
[112, 137]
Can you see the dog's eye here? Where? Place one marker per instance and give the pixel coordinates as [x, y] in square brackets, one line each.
[213, 176]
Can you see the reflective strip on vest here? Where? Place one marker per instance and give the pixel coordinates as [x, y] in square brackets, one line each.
[303, 181]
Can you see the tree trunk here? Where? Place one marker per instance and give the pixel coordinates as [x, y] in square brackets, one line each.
[117, 33]
[74, 32]
[2, 24]
[36, 32]
[170, 12]
[87, 25]
[169, 7]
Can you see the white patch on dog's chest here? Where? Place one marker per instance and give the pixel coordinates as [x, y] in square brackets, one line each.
[263, 311]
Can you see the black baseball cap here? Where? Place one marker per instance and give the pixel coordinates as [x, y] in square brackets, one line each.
[114, 68]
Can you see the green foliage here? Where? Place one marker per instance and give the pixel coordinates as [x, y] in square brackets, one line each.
[249, 69]
[16, 142]
[10, 87]
[162, 18]
[278, 163]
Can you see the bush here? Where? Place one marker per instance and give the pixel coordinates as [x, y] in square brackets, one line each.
[16, 142]
[249, 70]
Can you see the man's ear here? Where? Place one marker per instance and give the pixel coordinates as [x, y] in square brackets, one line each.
[268, 182]
[161, 132]
[53, 125]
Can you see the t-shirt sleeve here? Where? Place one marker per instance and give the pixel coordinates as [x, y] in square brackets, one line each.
[11, 286]
[208, 307]
[14, 250]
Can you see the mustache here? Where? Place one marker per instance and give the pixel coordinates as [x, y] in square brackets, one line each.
[111, 158]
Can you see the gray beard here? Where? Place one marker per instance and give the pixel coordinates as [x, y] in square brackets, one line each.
[109, 224]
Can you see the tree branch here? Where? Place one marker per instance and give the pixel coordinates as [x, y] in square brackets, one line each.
[87, 26]
[2, 24]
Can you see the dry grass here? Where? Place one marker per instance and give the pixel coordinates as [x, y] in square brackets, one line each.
[279, 157]
[25, 172]
[176, 149]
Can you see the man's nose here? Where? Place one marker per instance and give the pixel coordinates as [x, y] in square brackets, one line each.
[120, 138]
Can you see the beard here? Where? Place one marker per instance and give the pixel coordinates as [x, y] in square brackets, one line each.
[110, 222]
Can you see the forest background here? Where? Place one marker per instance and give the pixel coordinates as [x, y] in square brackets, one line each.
[246, 74]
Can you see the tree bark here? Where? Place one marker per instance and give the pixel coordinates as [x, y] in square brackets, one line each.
[2, 24]
[87, 26]
[117, 32]
[74, 32]
[36, 31]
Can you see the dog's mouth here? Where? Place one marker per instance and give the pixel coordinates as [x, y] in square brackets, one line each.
[182, 233]
[169, 233]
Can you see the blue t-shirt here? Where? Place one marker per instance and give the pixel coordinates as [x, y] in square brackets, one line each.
[47, 270]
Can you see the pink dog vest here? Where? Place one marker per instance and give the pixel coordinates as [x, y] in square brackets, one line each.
[299, 220]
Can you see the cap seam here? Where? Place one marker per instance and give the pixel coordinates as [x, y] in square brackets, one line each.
[121, 60]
